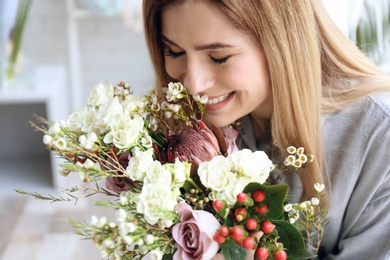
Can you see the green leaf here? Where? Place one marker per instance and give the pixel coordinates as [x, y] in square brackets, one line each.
[232, 251]
[275, 198]
[292, 240]
[167, 257]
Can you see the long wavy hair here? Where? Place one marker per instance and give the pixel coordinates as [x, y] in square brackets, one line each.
[314, 68]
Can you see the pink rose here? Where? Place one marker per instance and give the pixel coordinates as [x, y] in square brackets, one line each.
[194, 234]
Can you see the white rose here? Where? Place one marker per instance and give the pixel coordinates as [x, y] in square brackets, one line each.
[125, 132]
[88, 121]
[156, 202]
[229, 194]
[134, 103]
[180, 172]
[74, 122]
[82, 120]
[107, 115]
[138, 165]
[216, 174]
[100, 94]
[255, 165]
[157, 174]
[156, 254]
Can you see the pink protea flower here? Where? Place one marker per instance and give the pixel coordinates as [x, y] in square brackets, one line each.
[194, 145]
[198, 144]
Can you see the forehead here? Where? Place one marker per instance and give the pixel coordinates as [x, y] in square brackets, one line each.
[196, 20]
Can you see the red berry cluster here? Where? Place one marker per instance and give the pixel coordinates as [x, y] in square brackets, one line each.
[244, 224]
[262, 254]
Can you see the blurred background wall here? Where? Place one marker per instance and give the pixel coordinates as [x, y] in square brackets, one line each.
[95, 40]
[69, 47]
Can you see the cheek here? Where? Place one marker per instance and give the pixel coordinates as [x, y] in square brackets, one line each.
[253, 71]
[173, 68]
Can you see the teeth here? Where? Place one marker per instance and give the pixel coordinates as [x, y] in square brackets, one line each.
[218, 99]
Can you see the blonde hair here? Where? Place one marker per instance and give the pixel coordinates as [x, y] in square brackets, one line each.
[313, 67]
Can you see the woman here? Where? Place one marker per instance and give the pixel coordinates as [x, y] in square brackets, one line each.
[284, 70]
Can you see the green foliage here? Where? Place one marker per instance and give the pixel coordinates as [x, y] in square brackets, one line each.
[168, 256]
[373, 31]
[292, 240]
[232, 251]
[24, 7]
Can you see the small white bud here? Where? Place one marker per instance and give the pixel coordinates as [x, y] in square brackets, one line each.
[315, 201]
[124, 201]
[319, 187]
[47, 139]
[131, 227]
[88, 164]
[149, 239]
[112, 225]
[94, 220]
[288, 207]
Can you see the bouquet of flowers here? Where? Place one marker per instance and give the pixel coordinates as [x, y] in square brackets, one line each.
[181, 190]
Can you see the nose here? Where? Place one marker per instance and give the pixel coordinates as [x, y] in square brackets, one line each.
[197, 78]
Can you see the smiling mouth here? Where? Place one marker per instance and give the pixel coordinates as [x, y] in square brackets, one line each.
[216, 100]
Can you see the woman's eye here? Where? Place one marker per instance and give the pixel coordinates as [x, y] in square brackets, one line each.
[172, 54]
[219, 61]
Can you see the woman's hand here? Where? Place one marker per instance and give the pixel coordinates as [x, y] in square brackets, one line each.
[250, 253]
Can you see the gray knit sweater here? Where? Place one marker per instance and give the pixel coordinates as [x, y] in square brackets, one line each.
[356, 158]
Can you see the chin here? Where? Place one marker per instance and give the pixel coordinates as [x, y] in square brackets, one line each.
[215, 121]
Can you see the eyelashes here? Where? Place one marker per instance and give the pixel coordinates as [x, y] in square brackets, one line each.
[174, 55]
[219, 61]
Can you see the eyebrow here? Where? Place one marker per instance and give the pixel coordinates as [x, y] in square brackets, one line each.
[211, 46]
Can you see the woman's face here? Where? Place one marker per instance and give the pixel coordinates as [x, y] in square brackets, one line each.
[210, 57]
